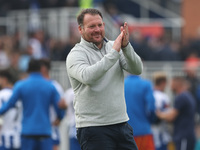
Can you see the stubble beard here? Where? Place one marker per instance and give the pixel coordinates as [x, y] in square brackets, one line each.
[99, 42]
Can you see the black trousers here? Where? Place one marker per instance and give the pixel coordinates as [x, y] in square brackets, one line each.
[111, 137]
[185, 143]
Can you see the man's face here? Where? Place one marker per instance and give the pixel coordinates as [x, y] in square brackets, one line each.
[163, 85]
[93, 29]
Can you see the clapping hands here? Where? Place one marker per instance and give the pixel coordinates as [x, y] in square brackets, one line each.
[123, 39]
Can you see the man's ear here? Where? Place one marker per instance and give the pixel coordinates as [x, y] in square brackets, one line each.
[80, 29]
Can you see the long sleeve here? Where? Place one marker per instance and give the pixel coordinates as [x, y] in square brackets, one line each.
[55, 100]
[78, 66]
[130, 61]
[150, 102]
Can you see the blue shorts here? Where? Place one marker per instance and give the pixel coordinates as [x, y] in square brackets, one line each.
[186, 143]
[43, 143]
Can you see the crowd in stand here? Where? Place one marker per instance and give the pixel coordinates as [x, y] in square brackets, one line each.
[41, 46]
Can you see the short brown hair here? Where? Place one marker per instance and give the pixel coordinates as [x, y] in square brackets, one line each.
[90, 11]
[159, 77]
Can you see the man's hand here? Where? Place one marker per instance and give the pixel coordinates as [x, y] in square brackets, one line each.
[62, 104]
[168, 115]
[125, 38]
[118, 42]
[56, 122]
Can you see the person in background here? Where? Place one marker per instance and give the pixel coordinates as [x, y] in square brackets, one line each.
[4, 58]
[69, 97]
[160, 128]
[11, 127]
[95, 69]
[191, 66]
[45, 71]
[182, 114]
[36, 45]
[140, 104]
[37, 95]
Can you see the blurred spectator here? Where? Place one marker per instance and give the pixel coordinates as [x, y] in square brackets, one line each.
[185, 48]
[56, 49]
[69, 45]
[141, 45]
[36, 45]
[175, 47]
[182, 115]
[4, 59]
[16, 38]
[45, 70]
[59, 49]
[36, 127]
[140, 108]
[160, 128]
[14, 65]
[11, 127]
[191, 66]
[114, 13]
[164, 52]
[69, 97]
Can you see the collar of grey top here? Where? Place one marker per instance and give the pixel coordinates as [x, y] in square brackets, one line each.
[92, 45]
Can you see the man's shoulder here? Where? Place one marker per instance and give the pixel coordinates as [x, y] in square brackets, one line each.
[78, 48]
[29, 81]
[183, 97]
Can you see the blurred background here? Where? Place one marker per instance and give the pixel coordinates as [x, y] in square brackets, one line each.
[165, 33]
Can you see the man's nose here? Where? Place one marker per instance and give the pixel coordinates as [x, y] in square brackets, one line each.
[97, 29]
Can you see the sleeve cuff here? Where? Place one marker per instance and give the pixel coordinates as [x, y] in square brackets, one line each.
[128, 47]
[115, 53]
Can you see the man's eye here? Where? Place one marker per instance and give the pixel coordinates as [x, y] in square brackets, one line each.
[92, 26]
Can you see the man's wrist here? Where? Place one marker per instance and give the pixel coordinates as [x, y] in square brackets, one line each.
[125, 45]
